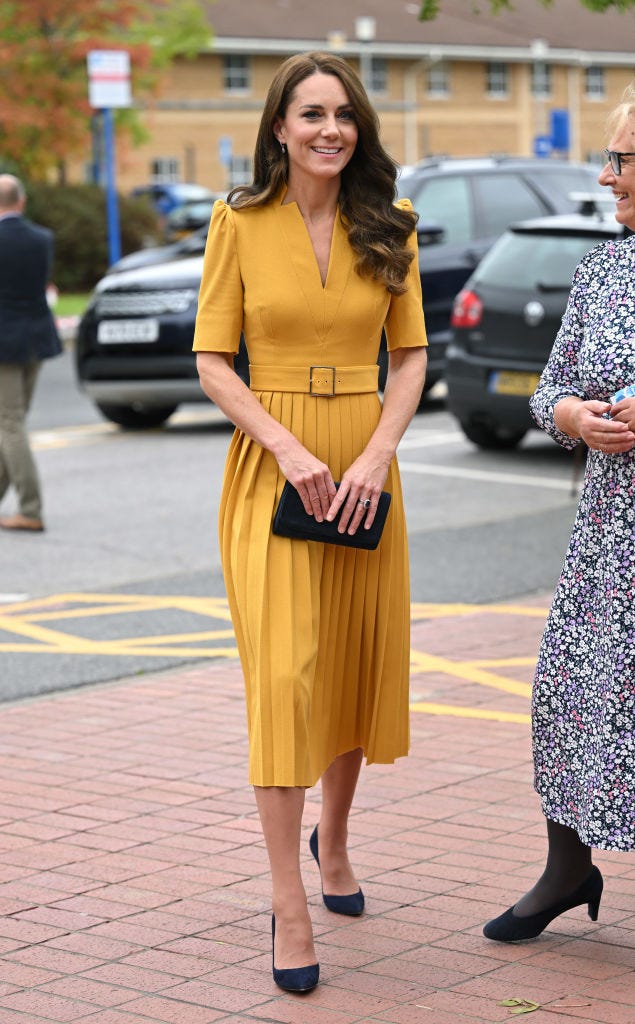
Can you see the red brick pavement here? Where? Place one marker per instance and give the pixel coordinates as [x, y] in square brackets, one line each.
[133, 878]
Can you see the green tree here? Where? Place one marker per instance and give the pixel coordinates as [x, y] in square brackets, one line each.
[44, 110]
[430, 8]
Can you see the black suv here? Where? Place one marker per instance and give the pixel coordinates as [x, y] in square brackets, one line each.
[463, 207]
[506, 319]
[133, 351]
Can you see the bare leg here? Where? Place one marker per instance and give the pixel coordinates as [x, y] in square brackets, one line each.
[280, 810]
[338, 789]
[568, 865]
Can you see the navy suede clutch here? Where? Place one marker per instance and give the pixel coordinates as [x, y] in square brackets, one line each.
[292, 521]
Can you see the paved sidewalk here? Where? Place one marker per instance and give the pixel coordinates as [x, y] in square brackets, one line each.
[133, 877]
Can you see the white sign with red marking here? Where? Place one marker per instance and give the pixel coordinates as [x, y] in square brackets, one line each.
[109, 78]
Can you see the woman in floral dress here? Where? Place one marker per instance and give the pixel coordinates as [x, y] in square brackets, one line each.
[583, 707]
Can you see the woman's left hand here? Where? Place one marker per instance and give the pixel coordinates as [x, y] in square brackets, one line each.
[362, 482]
[624, 411]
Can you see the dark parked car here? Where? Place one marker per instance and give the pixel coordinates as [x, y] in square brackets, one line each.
[505, 321]
[134, 344]
[189, 217]
[184, 248]
[463, 206]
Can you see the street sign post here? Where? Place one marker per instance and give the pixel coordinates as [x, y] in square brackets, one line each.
[108, 87]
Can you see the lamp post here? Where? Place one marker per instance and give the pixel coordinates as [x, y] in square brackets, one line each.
[365, 32]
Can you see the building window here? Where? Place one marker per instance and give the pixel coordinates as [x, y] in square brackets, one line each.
[378, 74]
[240, 171]
[438, 79]
[164, 169]
[236, 73]
[497, 76]
[540, 80]
[594, 88]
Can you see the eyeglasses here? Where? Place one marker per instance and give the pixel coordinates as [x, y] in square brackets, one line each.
[615, 159]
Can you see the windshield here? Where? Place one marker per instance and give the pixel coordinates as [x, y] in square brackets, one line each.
[534, 261]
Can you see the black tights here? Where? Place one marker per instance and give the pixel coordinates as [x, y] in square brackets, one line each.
[568, 865]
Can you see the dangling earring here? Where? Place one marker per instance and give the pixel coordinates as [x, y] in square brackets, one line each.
[283, 148]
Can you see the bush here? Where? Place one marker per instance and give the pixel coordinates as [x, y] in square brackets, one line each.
[76, 214]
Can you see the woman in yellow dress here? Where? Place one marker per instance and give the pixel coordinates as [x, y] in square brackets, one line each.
[311, 262]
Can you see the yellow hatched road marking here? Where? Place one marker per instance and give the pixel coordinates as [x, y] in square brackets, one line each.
[23, 622]
[467, 671]
[456, 711]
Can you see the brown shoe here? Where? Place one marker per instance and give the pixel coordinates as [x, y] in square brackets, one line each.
[20, 522]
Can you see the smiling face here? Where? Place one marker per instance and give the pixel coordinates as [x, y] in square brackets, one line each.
[623, 184]
[318, 129]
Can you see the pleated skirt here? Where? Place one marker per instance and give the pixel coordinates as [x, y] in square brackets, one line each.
[323, 631]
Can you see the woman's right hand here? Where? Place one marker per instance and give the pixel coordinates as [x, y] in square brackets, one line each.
[602, 434]
[311, 478]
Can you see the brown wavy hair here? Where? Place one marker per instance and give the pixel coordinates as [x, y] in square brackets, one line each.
[378, 231]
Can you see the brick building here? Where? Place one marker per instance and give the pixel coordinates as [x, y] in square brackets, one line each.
[469, 83]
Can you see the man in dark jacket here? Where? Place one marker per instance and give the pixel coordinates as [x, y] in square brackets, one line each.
[27, 336]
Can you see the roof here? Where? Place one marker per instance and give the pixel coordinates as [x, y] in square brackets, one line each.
[566, 25]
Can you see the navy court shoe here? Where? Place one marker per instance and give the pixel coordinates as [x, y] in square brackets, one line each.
[352, 905]
[293, 979]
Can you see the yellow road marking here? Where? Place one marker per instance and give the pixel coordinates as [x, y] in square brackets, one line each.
[23, 622]
[443, 611]
[467, 671]
[460, 712]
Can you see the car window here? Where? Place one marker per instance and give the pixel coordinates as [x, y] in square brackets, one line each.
[501, 199]
[446, 201]
[534, 261]
[564, 180]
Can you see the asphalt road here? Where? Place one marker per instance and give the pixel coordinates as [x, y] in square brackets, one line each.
[135, 514]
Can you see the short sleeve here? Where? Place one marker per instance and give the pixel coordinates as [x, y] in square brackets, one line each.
[219, 319]
[405, 324]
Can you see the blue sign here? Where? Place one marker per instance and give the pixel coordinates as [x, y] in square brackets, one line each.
[542, 145]
[560, 130]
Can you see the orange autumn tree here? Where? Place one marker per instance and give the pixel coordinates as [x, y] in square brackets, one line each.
[44, 110]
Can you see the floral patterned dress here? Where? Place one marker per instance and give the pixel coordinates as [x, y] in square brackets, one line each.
[584, 688]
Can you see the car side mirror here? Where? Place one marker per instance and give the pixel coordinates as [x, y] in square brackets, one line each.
[429, 234]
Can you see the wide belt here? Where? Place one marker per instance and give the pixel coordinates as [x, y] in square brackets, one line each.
[319, 381]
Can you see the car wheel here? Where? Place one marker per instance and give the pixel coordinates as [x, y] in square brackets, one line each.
[133, 418]
[491, 437]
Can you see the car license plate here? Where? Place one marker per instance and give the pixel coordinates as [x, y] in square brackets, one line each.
[109, 332]
[506, 382]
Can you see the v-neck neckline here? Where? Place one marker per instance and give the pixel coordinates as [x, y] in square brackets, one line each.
[298, 213]
[324, 300]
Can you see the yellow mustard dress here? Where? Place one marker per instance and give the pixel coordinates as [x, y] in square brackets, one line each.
[323, 631]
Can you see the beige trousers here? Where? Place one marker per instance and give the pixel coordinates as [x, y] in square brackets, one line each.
[17, 466]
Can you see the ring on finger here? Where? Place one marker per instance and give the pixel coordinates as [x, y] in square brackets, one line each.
[364, 503]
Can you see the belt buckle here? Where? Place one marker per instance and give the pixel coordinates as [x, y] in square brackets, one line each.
[314, 382]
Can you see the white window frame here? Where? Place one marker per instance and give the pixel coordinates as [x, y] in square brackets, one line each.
[594, 82]
[236, 73]
[438, 80]
[378, 75]
[240, 171]
[165, 169]
[540, 80]
[497, 79]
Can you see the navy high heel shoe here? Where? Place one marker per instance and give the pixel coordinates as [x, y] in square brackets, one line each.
[352, 905]
[509, 928]
[293, 979]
